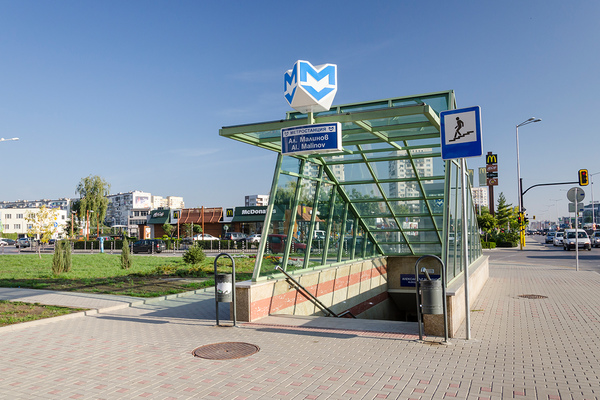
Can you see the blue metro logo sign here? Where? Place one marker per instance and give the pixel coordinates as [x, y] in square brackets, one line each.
[308, 88]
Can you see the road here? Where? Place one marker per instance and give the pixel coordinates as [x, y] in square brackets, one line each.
[536, 252]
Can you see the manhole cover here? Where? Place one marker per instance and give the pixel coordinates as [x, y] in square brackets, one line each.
[226, 350]
[533, 296]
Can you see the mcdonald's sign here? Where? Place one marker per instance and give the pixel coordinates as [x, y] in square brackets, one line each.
[491, 158]
[229, 212]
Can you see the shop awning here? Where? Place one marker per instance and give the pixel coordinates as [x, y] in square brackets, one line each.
[256, 214]
[159, 216]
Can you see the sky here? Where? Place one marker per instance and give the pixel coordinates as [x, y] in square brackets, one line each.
[136, 91]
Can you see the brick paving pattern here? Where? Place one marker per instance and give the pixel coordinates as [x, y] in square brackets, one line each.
[521, 349]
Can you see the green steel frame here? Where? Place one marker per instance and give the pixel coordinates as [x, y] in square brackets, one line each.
[389, 191]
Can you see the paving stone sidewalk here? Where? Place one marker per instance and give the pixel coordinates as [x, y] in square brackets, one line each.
[522, 348]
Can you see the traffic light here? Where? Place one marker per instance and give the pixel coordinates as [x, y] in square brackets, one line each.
[583, 177]
[519, 220]
[525, 220]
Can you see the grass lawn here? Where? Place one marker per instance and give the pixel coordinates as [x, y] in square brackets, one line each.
[14, 312]
[102, 273]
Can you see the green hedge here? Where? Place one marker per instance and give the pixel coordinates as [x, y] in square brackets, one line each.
[488, 245]
[506, 244]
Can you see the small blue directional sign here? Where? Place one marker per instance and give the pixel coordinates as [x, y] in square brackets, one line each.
[461, 133]
[316, 138]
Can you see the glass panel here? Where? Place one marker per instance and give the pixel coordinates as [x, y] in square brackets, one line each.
[378, 208]
[300, 230]
[360, 239]
[290, 164]
[311, 169]
[387, 154]
[379, 223]
[402, 190]
[337, 233]
[400, 249]
[348, 241]
[276, 232]
[321, 223]
[365, 191]
[389, 237]
[355, 172]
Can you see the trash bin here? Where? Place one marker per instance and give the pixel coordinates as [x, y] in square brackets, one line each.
[431, 296]
[224, 284]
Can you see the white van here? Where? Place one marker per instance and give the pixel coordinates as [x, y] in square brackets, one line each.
[319, 235]
[582, 240]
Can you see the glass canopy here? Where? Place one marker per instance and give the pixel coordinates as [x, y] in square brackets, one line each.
[388, 193]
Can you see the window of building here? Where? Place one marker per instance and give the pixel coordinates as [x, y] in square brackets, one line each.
[8, 216]
[19, 216]
[17, 226]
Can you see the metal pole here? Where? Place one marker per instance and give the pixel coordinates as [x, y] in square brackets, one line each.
[576, 236]
[519, 188]
[465, 248]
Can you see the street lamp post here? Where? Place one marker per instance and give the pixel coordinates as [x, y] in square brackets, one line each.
[520, 184]
[593, 205]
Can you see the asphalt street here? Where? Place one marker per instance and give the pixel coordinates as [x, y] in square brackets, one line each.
[536, 252]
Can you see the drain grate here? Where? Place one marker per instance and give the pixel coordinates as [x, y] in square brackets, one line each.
[226, 350]
[533, 296]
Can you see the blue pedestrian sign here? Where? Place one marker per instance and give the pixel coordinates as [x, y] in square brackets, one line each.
[461, 133]
[316, 138]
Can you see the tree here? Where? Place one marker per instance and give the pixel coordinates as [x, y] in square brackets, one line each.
[168, 229]
[503, 212]
[487, 223]
[41, 224]
[92, 192]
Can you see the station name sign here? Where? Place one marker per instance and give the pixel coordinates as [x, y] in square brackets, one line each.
[316, 138]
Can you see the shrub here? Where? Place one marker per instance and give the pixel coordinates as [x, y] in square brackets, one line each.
[61, 261]
[194, 255]
[58, 262]
[125, 256]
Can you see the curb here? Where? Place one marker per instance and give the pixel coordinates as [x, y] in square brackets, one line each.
[95, 311]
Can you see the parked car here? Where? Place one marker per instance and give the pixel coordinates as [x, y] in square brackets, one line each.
[558, 238]
[234, 236]
[550, 237]
[148, 246]
[52, 241]
[254, 238]
[9, 242]
[582, 239]
[23, 242]
[277, 243]
[3, 242]
[205, 236]
[595, 239]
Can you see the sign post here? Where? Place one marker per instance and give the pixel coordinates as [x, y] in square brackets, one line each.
[460, 138]
[491, 167]
[576, 195]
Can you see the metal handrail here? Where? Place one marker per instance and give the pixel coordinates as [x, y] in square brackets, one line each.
[311, 297]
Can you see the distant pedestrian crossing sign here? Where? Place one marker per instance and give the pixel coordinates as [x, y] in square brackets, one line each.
[461, 133]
